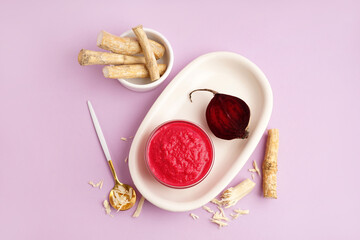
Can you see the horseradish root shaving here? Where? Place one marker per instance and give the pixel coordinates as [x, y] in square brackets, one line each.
[130, 71]
[269, 166]
[194, 216]
[120, 197]
[239, 212]
[206, 208]
[242, 211]
[221, 215]
[216, 201]
[139, 207]
[126, 138]
[92, 183]
[150, 60]
[232, 195]
[127, 46]
[256, 168]
[98, 185]
[220, 218]
[107, 207]
[220, 223]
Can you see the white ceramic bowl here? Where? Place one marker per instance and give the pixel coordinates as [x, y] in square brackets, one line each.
[144, 84]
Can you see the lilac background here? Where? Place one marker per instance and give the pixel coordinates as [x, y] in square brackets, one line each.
[309, 51]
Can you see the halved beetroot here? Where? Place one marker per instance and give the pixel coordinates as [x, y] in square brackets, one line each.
[227, 116]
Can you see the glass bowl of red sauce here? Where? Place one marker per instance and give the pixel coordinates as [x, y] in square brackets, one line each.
[179, 154]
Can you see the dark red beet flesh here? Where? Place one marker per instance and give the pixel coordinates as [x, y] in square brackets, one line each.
[227, 116]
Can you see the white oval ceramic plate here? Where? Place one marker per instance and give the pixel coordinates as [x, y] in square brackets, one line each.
[224, 72]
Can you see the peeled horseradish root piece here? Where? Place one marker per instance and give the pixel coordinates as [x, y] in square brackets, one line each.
[227, 116]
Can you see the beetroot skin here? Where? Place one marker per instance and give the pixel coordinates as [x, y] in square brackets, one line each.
[227, 116]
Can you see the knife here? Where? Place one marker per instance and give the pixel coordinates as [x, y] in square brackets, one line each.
[99, 132]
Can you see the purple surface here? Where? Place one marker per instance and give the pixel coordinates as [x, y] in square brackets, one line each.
[309, 51]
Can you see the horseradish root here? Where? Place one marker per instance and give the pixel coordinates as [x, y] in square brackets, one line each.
[269, 166]
[150, 60]
[125, 59]
[139, 207]
[88, 57]
[127, 46]
[129, 71]
[232, 195]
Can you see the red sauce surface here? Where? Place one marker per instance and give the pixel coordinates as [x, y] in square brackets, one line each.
[179, 154]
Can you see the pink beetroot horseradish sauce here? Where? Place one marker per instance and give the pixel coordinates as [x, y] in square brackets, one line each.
[179, 154]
